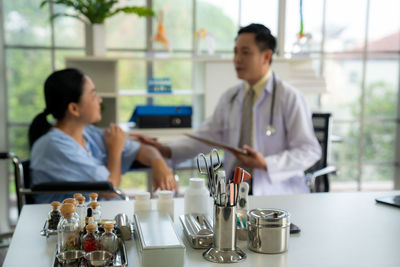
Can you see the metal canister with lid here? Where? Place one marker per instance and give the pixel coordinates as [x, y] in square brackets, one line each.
[268, 230]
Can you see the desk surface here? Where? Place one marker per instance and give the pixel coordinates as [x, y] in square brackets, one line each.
[337, 229]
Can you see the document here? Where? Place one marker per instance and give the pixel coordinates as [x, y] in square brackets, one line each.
[220, 145]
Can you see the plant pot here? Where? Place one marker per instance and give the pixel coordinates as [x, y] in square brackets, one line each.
[95, 39]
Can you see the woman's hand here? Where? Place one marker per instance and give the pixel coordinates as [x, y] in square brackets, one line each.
[253, 159]
[163, 178]
[114, 139]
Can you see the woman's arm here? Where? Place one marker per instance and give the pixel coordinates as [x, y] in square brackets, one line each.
[115, 140]
[162, 176]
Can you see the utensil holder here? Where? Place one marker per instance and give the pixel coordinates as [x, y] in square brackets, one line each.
[224, 248]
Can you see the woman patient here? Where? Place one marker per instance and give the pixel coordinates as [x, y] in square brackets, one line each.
[74, 150]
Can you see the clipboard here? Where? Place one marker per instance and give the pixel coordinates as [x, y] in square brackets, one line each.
[220, 145]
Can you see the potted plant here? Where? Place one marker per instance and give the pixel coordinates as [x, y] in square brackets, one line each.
[93, 13]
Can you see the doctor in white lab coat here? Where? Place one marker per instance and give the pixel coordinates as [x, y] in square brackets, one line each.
[277, 161]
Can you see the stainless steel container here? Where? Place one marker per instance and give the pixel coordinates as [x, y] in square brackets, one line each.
[268, 230]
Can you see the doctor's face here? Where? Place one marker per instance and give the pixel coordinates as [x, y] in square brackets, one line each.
[89, 103]
[251, 64]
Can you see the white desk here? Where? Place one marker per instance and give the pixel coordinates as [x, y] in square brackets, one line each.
[336, 230]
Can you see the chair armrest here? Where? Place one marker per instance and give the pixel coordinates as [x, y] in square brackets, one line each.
[311, 177]
[72, 187]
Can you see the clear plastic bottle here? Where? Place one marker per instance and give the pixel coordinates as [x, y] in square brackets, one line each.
[54, 216]
[81, 210]
[68, 229]
[142, 201]
[90, 241]
[196, 200]
[96, 211]
[166, 202]
[108, 240]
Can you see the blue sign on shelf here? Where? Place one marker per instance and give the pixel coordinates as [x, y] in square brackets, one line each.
[159, 85]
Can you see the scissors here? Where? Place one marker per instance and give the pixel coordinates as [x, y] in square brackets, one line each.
[209, 169]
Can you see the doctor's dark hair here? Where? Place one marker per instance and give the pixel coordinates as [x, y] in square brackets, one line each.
[264, 39]
[61, 88]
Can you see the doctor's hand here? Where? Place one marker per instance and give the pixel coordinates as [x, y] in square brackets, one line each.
[163, 178]
[164, 150]
[253, 159]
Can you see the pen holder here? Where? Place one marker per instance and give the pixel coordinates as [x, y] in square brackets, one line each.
[224, 248]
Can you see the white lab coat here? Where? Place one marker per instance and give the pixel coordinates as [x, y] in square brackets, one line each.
[288, 153]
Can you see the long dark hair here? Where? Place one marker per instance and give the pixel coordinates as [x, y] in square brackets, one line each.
[61, 88]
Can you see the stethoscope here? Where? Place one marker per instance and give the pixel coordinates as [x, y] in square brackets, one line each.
[270, 129]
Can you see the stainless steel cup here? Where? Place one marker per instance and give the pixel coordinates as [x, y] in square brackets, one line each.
[268, 230]
[224, 248]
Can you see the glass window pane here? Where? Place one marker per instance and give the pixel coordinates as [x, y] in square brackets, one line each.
[379, 141]
[344, 143]
[26, 73]
[343, 74]
[384, 25]
[62, 54]
[19, 145]
[126, 30]
[69, 32]
[220, 18]
[177, 22]
[173, 100]
[179, 71]
[345, 180]
[382, 83]
[264, 12]
[26, 23]
[377, 178]
[127, 105]
[345, 25]
[312, 23]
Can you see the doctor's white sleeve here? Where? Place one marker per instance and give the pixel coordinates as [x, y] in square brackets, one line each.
[303, 147]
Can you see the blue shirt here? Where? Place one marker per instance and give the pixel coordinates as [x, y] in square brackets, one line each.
[56, 156]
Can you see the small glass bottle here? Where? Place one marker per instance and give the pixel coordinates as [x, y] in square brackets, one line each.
[76, 195]
[95, 211]
[73, 202]
[166, 203]
[93, 198]
[108, 240]
[81, 210]
[90, 241]
[142, 201]
[54, 216]
[68, 229]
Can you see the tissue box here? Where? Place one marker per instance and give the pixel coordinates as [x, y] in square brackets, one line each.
[157, 241]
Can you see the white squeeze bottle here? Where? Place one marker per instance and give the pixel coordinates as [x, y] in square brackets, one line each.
[197, 197]
[166, 202]
[142, 201]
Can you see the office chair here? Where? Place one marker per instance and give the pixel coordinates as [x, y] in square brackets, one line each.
[318, 175]
[25, 190]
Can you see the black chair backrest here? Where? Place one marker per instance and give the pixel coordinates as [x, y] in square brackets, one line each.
[321, 128]
[27, 180]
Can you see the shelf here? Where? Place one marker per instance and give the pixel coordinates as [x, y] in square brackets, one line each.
[145, 93]
[107, 95]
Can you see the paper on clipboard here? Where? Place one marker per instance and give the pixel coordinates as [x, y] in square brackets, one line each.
[220, 145]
